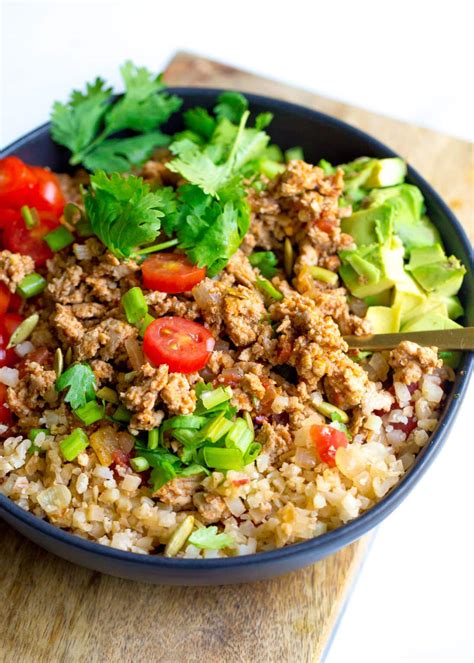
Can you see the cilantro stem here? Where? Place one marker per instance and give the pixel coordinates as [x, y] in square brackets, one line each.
[158, 247]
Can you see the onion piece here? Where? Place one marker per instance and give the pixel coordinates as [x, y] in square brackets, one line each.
[135, 353]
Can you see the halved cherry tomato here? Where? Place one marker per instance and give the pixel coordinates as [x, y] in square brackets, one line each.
[6, 416]
[16, 180]
[15, 303]
[46, 194]
[17, 238]
[171, 272]
[7, 216]
[8, 323]
[183, 345]
[327, 441]
[5, 296]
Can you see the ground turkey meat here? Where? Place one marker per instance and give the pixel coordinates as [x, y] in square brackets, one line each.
[34, 390]
[410, 361]
[212, 508]
[178, 395]
[243, 311]
[143, 395]
[275, 440]
[179, 492]
[14, 267]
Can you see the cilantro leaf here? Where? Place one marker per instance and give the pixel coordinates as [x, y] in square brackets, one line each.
[266, 261]
[123, 213]
[87, 121]
[81, 381]
[263, 120]
[120, 154]
[200, 121]
[75, 123]
[208, 230]
[209, 539]
[231, 105]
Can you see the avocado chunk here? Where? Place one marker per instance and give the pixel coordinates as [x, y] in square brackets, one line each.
[386, 172]
[407, 296]
[382, 299]
[383, 319]
[443, 277]
[369, 226]
[454, 306]
[426, 255]
[429, 321]
[369, 270]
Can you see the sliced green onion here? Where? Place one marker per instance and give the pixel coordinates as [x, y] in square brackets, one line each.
[107, 394]
[239, 437]
[179, 536]
[269, 289]
[187, 436]
[30, 216]
[223, 459]
[122, 415]
[158, 247]
[327, 167]
[330, 411]
[249, 422]
[153, 438]
[185, 421]
[139, 464]
[252, 452]
[215, 397]
[147, 320]
[90, 412]
[23, 330]
[324, 275]
[270, 168]
[31, 285]
[59, 238]
[294, 153]
[135, 306]
[216, 428]
[74, 444]
[34, 432]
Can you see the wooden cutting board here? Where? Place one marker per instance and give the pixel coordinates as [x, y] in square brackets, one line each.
[51, 610]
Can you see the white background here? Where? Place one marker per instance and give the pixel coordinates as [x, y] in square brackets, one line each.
[411, 60]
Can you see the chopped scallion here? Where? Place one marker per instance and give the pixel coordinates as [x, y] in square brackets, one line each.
[59, 238]
[135, 306]
[294, 153]
[147, 320]
[122, 415]
[139, 464]
[74, 444]
[34, 432]
[153, 438]
[269, 289]
[324, 275]
[90, 412]
[216, 428]
[215, 397]
[30, 216]
[332, 412]
[252, 452]
[31, 285]
[223, 459]
[107, 394]
[239, 437]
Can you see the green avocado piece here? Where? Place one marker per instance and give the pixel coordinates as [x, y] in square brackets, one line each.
[381, 299]
[369, 270]
[429, 321]
[426, 255]
[386, 172]
[444, 277]
[369, 226]
[383, 319]
[454, 308]
[407, 296]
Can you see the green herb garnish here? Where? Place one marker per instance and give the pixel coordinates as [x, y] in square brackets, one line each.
[80, 381]
[208, 538]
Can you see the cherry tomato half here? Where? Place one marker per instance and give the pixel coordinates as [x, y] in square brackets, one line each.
[8, 323]
[5, 296]
[183, 345]
[17, 238]
[171, 272]
[327, 441]
[16, 180]
[7, 216]
[46, 194]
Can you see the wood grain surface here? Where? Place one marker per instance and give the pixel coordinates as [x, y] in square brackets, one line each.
[52, 611]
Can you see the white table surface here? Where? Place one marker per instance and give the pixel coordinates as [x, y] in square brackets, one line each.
[412, 601]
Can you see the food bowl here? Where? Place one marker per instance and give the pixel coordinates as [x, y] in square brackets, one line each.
[320, 136]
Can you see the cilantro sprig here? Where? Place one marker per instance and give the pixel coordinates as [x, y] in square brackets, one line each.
[124, 213]
[88, 123]
[80, 381]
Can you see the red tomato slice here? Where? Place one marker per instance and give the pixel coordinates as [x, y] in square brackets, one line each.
[8, 323]
[171, 272]
[7, 216]
[327, 441]
[183, 345]
[16, 179]
[5, 296]
[28, 241]
[15, 303]
[46, 194]
[5, 413]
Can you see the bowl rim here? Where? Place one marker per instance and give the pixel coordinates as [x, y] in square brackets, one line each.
[346, 533]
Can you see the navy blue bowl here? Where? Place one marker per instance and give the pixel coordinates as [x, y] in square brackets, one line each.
[321, 136]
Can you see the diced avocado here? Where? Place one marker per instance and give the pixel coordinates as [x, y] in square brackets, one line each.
[369, 270]
[356, 174]
[369, 226]
[444, 277]
[383, 319]
[407, 296]
[429, 321]
[451, 305]
[426, 255]
[382, 299]
[387, 172]
[270, 168]
[427, 308]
